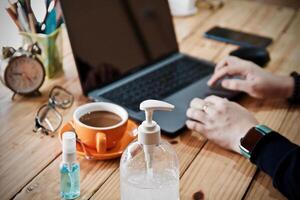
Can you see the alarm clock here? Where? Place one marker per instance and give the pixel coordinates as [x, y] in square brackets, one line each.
[22, 71]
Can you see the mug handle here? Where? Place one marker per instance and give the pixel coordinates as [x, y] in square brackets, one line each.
[101, 142]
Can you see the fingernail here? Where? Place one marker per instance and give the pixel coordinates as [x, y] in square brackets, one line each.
[187, 123]
[209, 82]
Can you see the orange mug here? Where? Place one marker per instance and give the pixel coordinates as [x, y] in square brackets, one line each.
[100, 138]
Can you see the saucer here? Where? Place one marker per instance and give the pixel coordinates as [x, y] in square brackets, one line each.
[115, 152]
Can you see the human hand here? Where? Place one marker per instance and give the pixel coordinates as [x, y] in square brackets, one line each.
[255, 81]
[221, 121]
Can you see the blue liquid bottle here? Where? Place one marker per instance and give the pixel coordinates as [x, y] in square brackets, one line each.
[69, 168]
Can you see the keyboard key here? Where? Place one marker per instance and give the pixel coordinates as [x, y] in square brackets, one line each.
[160, 83]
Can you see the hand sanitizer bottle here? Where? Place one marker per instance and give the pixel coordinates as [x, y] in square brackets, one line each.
[69, 168]
[149, 167]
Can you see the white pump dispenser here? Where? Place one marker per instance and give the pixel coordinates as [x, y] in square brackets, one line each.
[149, 167]
[149, 130]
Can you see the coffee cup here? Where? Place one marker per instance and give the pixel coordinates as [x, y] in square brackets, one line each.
[100, 125]
[183, 7]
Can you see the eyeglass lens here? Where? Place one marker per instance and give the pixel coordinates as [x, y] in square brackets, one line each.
[49, 118]
[61, 97]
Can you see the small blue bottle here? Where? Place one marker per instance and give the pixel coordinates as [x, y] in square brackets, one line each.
[69, 168]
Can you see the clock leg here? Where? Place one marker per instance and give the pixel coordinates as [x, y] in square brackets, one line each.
[37, 93]
[33, 94]
[13, 96]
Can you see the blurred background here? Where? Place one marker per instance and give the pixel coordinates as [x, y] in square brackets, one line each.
[9, 34]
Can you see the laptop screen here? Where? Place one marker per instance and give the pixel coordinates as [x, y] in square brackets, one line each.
[113, 38]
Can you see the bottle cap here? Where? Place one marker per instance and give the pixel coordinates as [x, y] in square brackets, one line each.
[149, 130]
[69, 143]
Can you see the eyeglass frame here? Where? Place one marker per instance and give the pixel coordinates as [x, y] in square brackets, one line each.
[39, 128]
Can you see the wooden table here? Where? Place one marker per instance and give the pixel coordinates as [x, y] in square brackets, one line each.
[29, 162]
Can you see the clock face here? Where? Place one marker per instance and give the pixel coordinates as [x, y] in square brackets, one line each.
[24, 74]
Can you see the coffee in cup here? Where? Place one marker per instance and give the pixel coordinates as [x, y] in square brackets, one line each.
[100, 119]
[100, 125]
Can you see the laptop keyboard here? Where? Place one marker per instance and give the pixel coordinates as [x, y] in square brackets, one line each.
[159, 83]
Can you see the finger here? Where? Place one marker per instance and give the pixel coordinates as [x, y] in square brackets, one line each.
[229, 60]
[214, 99]
[202, 105]
[221, 64]
[196, 114]
[197, 103]
[236, 85]
[195, 126]
[229, 70]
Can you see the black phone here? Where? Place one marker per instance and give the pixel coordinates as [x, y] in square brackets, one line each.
[237, 37]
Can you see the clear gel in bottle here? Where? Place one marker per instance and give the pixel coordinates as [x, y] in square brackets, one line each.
[149, 167]
[69, 168]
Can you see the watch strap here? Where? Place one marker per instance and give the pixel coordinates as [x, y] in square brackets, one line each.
[264, 130]
[295, 98]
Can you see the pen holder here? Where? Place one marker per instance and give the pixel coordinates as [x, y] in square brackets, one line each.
[51, 46]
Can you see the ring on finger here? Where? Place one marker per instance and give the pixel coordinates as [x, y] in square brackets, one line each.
[205, 106]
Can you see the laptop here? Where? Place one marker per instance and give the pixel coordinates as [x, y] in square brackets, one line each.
[126, 52]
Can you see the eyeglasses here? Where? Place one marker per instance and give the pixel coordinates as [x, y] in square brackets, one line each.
[47, 118]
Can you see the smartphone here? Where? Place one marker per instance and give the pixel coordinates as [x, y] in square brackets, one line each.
[237, 37]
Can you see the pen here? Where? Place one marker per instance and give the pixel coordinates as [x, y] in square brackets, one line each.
[22, 18]
[59, 15]
[13, 6]
[14, 18]
[50, 18]
[22, 14]
[13, 9]
[31, 17]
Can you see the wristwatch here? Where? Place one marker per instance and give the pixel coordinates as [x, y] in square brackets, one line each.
[253, 136]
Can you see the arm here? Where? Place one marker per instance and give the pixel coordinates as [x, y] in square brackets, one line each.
[280, 159]
[216, 118]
